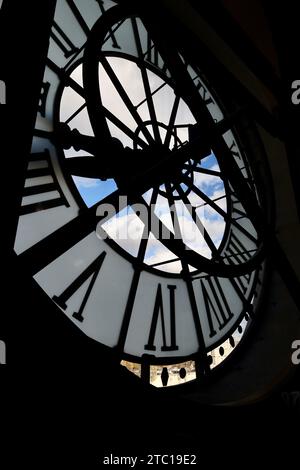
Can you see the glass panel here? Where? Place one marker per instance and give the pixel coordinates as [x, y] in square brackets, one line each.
[93, 190]
[112, 100]
[132, 367]
[175, 374]
[126, 229]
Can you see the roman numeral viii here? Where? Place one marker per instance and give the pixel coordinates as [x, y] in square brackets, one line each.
[91, 272]
[42, 190]
[159, 312]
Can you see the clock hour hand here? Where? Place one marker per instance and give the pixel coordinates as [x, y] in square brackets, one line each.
[87, 167]
[143, 168]
[107, 160]
[73, 138]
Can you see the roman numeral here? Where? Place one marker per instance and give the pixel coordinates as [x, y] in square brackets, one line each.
[234, 150]
[159, 311]
[92, 272]
[2, 352]
[152, 55]
[147, 88]
[204, 94]
[63, 41]
[57, 243]
[78, 17]
[2, 92]
[43, 98]
[216, 306]
[40, 168]
[238, 253]
[237, 209]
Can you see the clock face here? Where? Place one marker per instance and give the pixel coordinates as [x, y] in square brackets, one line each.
[141, 213]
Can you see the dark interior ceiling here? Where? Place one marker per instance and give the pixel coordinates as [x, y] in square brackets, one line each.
[251, 18]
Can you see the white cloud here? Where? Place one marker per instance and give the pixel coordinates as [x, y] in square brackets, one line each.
[206, 182]
[85, 183]
[126, 229]
[160, 257]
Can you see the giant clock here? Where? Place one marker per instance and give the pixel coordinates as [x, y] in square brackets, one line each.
[142, 210]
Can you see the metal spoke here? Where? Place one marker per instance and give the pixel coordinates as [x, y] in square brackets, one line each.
[135, 282]
[146, 83]
[118, 123]
[205, 171]
[75, 113]
[172, 121]
[217, 208]
[65, 77]
[174, 214]
[202, 356]
[161, 263]
[125, 98]
[152, 93]
[197, 221]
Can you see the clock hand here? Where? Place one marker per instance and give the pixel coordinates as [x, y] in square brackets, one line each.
[73, 138]
[106, 163]
[170, 163]
[125, 164]
[128, 166]
[138, 183]
[110, 160]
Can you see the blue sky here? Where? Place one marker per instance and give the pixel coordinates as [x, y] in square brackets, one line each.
[94, 190]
